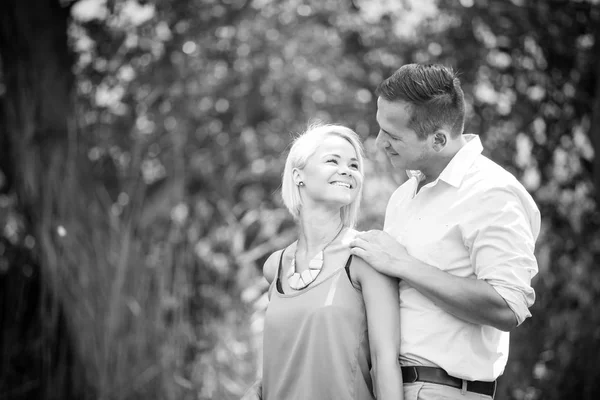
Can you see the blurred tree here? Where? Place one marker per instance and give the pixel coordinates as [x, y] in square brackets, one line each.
[86, 334]
[38, 360]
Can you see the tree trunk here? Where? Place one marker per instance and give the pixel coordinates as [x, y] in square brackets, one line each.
[36, 125]
[595, 120]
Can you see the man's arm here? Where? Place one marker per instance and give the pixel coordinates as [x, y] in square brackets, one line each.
[500, 233]
[471, 300]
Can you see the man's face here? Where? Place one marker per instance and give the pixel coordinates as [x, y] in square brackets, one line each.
[400, 143]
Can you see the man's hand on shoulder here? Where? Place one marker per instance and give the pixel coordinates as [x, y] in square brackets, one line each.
[381, 251]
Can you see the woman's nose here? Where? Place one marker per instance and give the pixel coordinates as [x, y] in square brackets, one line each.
[343, 170]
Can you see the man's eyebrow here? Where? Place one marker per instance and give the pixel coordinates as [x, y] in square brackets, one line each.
[389, 134]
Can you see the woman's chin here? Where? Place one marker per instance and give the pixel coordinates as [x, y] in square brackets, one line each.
[343, 201]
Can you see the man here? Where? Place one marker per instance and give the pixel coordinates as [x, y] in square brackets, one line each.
[460, 235]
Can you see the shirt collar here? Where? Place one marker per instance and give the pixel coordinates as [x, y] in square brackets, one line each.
[456, 169]
[415, 173]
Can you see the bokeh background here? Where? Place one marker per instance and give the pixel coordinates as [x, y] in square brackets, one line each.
[141, 148]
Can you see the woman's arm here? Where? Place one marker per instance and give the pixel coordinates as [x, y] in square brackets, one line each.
[380, 294]
[254, 392]
[270, 266]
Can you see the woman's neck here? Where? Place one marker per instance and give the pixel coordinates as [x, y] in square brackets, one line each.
[317, 229]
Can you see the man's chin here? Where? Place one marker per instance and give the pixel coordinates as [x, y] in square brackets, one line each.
[397, 162]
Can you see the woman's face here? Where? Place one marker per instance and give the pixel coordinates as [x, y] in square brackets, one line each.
[331, 175]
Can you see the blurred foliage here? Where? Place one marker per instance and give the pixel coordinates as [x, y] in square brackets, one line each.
[184, 111]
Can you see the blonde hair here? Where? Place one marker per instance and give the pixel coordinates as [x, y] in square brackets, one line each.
[305, 146]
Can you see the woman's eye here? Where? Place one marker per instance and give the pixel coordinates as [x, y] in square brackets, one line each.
[355, 166]
[333, 160]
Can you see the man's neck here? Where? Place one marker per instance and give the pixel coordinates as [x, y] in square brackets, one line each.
[438, 163]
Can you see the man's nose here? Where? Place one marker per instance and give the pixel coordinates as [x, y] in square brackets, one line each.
[380, 141]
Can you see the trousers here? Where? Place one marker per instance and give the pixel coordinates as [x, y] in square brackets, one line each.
[433, 391]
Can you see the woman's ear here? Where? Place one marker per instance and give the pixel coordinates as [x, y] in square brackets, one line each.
[297, 176]
[440, 140]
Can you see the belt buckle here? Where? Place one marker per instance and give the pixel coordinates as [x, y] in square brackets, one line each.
[485, 392]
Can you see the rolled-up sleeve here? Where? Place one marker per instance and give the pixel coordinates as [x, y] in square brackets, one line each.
[501, 237]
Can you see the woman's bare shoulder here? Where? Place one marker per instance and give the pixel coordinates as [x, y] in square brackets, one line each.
[270, 266]
[348, 235]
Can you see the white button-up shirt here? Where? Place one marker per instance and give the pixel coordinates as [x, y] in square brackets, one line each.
[475, 221]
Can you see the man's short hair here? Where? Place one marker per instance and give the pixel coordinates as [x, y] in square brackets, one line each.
[433, 94]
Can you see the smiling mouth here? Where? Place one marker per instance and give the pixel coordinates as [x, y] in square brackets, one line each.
[343, 184]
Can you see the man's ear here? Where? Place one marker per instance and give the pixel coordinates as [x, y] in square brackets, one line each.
[439, 140]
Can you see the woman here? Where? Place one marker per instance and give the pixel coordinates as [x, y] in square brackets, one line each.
[332, 324]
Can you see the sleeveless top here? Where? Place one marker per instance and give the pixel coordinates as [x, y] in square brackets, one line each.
[315, 342]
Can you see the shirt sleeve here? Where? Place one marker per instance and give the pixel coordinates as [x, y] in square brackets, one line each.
[501, 238]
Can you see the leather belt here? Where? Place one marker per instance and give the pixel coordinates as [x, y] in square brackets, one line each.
[441, 377]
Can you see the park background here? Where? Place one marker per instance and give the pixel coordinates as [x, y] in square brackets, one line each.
[141, 148]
